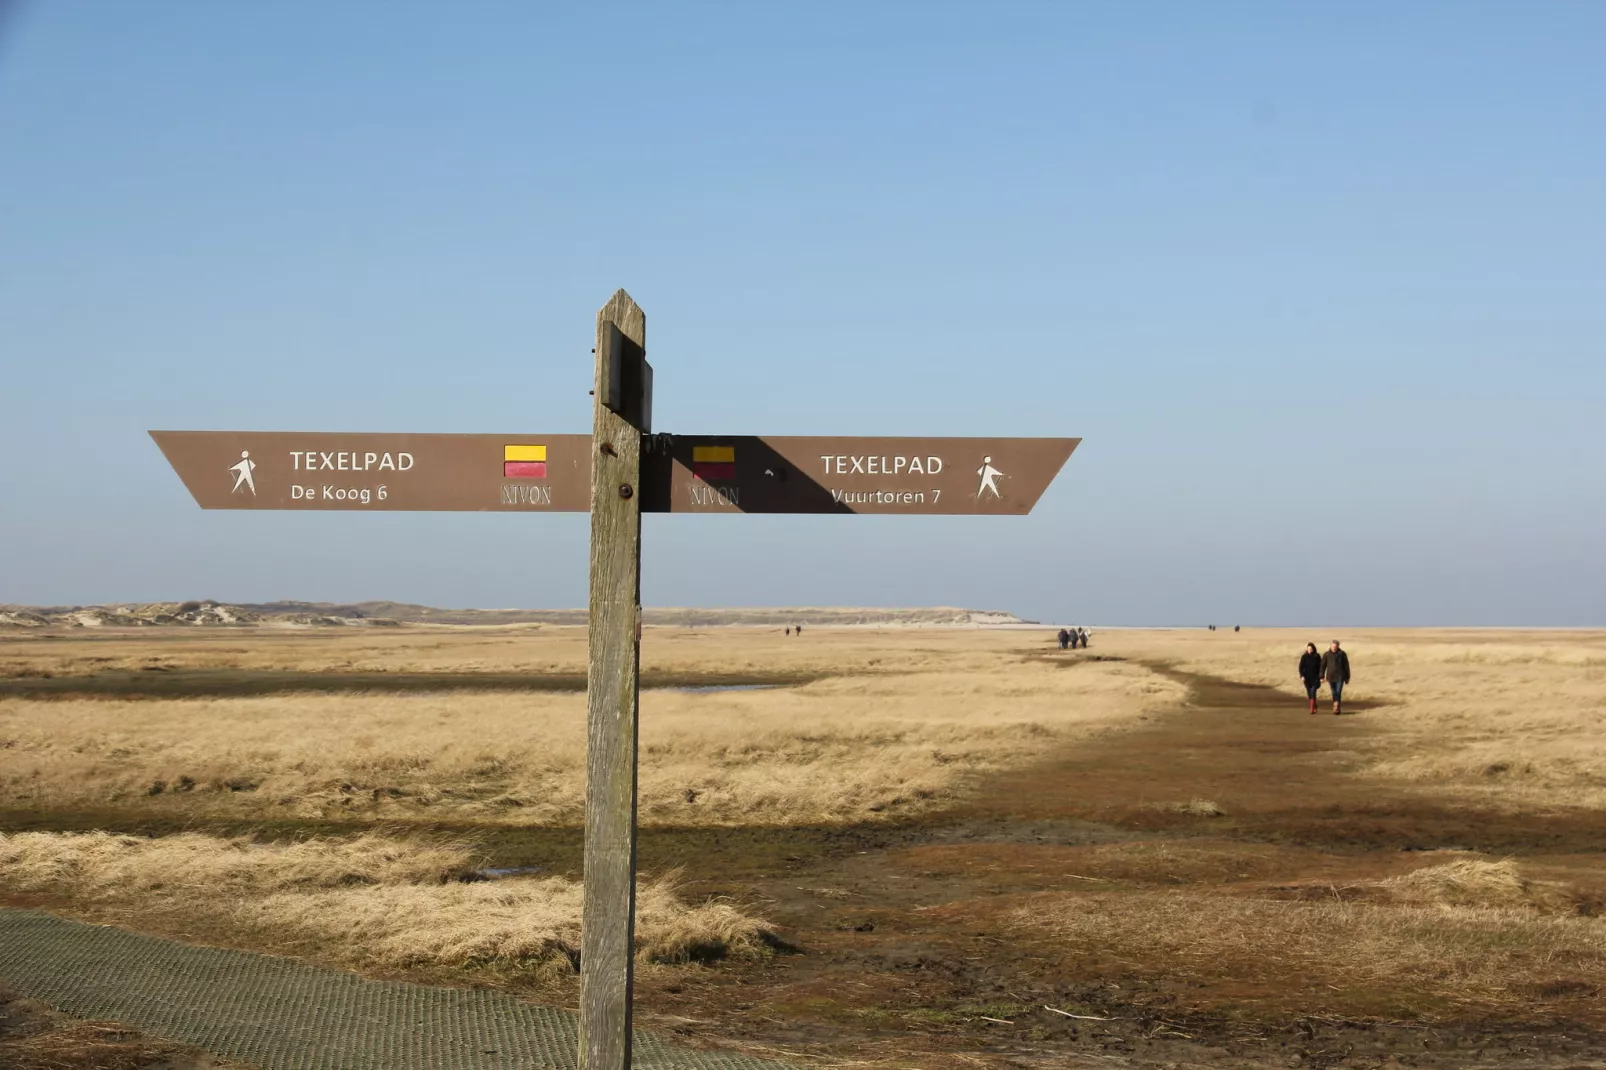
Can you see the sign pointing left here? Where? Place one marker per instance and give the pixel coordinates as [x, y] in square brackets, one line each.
[460, 473]
[616, 473]
[552, 473]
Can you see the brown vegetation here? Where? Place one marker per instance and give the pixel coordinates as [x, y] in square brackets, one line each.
[1331, 954]
[894, 728]
[378, 899]
[958, 829]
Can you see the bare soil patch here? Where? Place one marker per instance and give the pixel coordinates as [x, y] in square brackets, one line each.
[34, 1037]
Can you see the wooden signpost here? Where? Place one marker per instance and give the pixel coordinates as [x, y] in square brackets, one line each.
[618, 472]
[608, 915]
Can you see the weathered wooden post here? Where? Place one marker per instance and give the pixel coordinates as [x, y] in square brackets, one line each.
[537, 473]
[620, 416]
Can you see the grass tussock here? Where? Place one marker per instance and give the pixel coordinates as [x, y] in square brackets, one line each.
[519, 921]
[1358, 957]
[1466, 882]
[1471, 882]
[397, 901]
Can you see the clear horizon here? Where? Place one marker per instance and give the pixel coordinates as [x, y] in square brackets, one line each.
[1318, 287]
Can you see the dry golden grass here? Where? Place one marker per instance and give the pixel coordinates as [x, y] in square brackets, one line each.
[912, 717]
[374, 898]
[904, 718]
[899, 721]
[511, 920]
[100, 864]
[1472, 882]
[1467, 880]
[1467, 933]
[1507, 718]
[518, 648]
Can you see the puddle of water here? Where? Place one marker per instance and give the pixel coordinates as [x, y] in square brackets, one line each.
[513, 871]
[704, 689]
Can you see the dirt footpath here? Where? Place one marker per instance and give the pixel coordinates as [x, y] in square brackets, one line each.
[1100, 909]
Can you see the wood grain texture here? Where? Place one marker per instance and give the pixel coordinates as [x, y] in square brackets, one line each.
[608, 923]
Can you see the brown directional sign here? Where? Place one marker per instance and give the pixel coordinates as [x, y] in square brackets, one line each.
[294, 470]
[618, 472]
[552, 473]
[772, 474]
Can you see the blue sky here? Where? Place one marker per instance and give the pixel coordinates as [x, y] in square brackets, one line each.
[1323, 287]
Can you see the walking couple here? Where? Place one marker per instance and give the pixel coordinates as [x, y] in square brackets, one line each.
[1333, 667]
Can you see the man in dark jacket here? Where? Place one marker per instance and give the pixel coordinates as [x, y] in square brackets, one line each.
[1335, 670]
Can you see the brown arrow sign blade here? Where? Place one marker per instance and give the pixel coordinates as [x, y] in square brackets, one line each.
[772, 474]
[296, 470]
[552, 473]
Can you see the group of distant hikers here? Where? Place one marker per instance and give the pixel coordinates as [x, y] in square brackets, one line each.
[1071, 638]
[1331, 667]
[796, 629]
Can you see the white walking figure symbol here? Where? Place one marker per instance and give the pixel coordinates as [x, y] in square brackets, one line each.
[989, 478]
[242, 473]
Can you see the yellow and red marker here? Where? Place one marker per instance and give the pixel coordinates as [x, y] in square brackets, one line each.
[523, 462]
[710, 463]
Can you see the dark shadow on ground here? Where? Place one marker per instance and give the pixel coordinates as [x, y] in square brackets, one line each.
[240, 683]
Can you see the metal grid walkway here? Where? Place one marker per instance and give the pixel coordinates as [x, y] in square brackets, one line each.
[280, 1014]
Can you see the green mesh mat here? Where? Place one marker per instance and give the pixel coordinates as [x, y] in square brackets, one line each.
[280, 1014]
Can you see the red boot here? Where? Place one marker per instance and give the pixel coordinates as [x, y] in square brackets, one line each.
[1312, 705]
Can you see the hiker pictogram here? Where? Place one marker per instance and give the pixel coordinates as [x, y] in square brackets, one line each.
[242, 473]
[989, 479]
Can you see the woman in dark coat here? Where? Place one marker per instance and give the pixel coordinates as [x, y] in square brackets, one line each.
[1310, 671]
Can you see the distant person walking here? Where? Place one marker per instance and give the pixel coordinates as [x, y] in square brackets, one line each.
[1335, 670]
[1310, 673]
[1064, 638]
[1081, 635]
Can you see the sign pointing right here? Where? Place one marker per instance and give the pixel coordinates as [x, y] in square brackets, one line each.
[764, 474]
[552, 473]
[618, 472]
